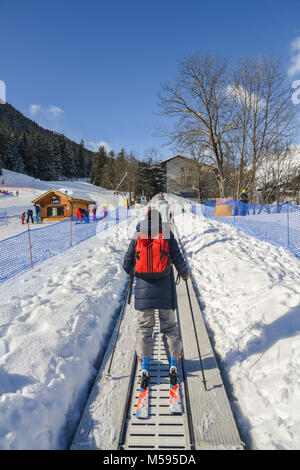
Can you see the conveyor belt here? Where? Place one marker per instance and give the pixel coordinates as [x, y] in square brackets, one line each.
[161, 430]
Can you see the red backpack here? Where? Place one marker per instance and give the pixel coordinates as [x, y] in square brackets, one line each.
[152, 260]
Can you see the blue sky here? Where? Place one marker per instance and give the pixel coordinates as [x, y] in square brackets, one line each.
[91, 69]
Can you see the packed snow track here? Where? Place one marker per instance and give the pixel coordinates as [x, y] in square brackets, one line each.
[109, 422]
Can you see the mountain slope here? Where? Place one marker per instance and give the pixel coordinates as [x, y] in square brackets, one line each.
[18, 123]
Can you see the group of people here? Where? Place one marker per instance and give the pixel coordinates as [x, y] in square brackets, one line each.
[29, 215]
[83, 215]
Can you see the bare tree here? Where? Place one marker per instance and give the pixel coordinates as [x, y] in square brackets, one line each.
[264, 115]
[278, 170]
[234, 117]
[204, 180]
[198, 101]
[152, 155]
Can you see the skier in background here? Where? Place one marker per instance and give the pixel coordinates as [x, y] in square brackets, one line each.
[37, 212]
[155, 292]
[105, 212]
[244, 199]
[94, 211]
[86, 215]
[23, 218]
[29, 216]
[78, 215]
[163, 208]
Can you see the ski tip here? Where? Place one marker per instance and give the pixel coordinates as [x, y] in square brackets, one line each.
[176, 411]
[175, 406]
[142, 405]
[141, 415]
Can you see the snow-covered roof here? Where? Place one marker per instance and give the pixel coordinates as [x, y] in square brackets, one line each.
[74, 195]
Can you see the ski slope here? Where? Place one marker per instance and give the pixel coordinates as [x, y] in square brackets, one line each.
[30, 188]
[56, 319]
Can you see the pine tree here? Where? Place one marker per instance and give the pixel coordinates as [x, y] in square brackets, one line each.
[32, 156]
[28, 160]
[16, 157]
[5, 146]
[97, 173]
[121, 169]
[109, 172]
[57, 160]
[143, 180]
[47, 169]
[88, 165]
[150, 178]
[158, 178]
[22, 146]
[68, 162]
[81, 160]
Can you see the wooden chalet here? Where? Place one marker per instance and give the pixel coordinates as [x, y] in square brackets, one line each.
[57, 205]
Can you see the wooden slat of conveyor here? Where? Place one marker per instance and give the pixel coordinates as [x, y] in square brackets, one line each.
[161, 430]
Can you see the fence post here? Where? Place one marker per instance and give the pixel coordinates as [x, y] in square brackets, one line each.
[234, 206]
[288, 226]
[30, 249]
[71, 234]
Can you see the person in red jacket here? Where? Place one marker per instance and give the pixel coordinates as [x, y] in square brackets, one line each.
[23, 218]
[78, 215]
[155, 292]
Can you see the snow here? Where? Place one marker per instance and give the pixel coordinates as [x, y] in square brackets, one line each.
[30, 188]
[53, 322]
[56, 319]
[283, 168]
[249, 292]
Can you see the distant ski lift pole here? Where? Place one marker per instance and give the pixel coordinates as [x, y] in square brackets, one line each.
[116, 190]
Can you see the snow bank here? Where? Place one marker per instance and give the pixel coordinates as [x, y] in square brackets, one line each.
[249, 291]
[54, 321]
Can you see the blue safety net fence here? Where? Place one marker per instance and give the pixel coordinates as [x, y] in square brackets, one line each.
[24, 251]
[276, 224]
[3, 217]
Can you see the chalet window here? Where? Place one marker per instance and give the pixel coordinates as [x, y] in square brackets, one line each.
[55, 200]
[55, 211]
[189, 177]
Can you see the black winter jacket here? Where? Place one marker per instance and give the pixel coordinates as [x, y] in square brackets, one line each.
[244, 197]
[156, 293]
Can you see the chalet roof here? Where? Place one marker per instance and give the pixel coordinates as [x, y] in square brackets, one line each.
[202, 164]
[176, 156]
[72, 197]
